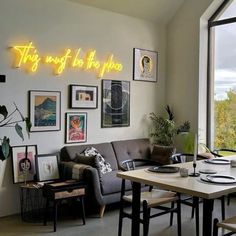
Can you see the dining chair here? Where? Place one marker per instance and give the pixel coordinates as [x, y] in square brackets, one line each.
[226, 152]
[189, 200]
[150, 198]
[228, 224]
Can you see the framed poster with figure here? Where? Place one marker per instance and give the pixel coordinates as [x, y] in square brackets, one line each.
[145, 65]
[23, 162]
[76, 127]
[115, 103]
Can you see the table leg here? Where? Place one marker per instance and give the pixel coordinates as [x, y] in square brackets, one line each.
[207, 217]
[135, 230]
[55, 215]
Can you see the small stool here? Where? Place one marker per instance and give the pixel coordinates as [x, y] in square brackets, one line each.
[60, 191]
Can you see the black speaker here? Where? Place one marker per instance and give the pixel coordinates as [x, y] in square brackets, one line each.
[2, 78]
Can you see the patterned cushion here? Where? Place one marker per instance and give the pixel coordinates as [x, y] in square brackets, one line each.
[104, 166]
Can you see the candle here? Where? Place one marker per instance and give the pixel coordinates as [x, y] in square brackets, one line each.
[195, 149]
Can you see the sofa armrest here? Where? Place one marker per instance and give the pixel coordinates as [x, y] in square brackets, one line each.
[92, 178]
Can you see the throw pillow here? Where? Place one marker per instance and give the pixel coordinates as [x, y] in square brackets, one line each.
[93, 152]
[162, 154]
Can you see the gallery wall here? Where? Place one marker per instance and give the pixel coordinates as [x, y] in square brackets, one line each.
[52, 26]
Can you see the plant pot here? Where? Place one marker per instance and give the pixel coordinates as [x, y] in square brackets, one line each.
[162, 154]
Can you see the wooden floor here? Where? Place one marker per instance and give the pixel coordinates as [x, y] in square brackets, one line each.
[107, 226]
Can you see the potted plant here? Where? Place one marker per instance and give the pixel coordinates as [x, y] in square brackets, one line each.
[11, 120]
[162, 134]
[164, 129]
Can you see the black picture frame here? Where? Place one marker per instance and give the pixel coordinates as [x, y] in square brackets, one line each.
[20, 162]
[83, 96]
[76, 127]
[47, 167]
[115, 103]
[145, 65]
[45, 110]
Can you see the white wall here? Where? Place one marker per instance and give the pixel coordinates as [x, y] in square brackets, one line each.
[183, 35]
[54, 25]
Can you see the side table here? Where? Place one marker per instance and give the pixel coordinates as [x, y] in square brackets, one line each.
[32, 202]
[58, 191]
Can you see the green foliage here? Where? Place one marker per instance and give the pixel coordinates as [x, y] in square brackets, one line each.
[9, 121]
[164, 130]
[225, 122]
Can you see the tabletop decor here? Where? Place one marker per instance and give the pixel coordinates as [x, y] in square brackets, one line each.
[144, 65]
[47, 167]
[23, 160]
[83, 96]
[115, 103]
[45, 110]
[195, 174]
[76, 127]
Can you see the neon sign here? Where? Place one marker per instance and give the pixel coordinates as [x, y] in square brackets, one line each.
[27, 56]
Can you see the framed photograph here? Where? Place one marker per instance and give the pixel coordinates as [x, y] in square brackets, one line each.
[47, 167]
[76, 127]
[115, 103]
[83, 96]
[45, 110]
[144, 65]
[23, 162]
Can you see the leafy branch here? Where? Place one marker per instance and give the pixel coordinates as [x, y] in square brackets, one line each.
[9, 122]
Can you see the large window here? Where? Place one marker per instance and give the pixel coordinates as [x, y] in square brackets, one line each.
[222, 77]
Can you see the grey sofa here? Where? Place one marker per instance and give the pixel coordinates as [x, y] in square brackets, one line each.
[104, 189]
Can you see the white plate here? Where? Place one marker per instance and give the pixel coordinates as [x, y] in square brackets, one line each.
[221, 179]
[219, 161]
[207, 171]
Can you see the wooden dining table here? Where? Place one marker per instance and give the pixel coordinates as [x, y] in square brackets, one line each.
[193, 186]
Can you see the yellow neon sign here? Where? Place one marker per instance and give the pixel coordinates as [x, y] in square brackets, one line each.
[28, 57]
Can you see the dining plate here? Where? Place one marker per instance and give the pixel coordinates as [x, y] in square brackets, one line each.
[219, 161]
[207, 171]
[221, 179]
[164, 169]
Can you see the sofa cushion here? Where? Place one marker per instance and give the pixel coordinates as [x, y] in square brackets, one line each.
[68, 153]
[110, 183]
[103, 165]
[162, 154]
[132, 149]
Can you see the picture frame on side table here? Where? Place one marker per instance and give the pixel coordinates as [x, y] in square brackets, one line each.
[76, 127]
[145, 65]
[115, 103]
[45, 110]
[24, 169]
[47, 167]
[83, 96]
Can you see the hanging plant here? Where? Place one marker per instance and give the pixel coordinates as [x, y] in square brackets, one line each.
[11, 121]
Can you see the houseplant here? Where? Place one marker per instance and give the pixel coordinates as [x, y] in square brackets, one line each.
[11, 120]
[164, 129]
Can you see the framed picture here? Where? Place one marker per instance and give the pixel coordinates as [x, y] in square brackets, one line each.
[144, 65]
[45, 110]
[83, 96]
[47, 167]
[115, 103]
[76, 127]
[23, 162]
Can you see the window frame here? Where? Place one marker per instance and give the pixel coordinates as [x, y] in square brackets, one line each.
[213, 22]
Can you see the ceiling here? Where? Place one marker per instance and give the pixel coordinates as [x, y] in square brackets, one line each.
[159, 11]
